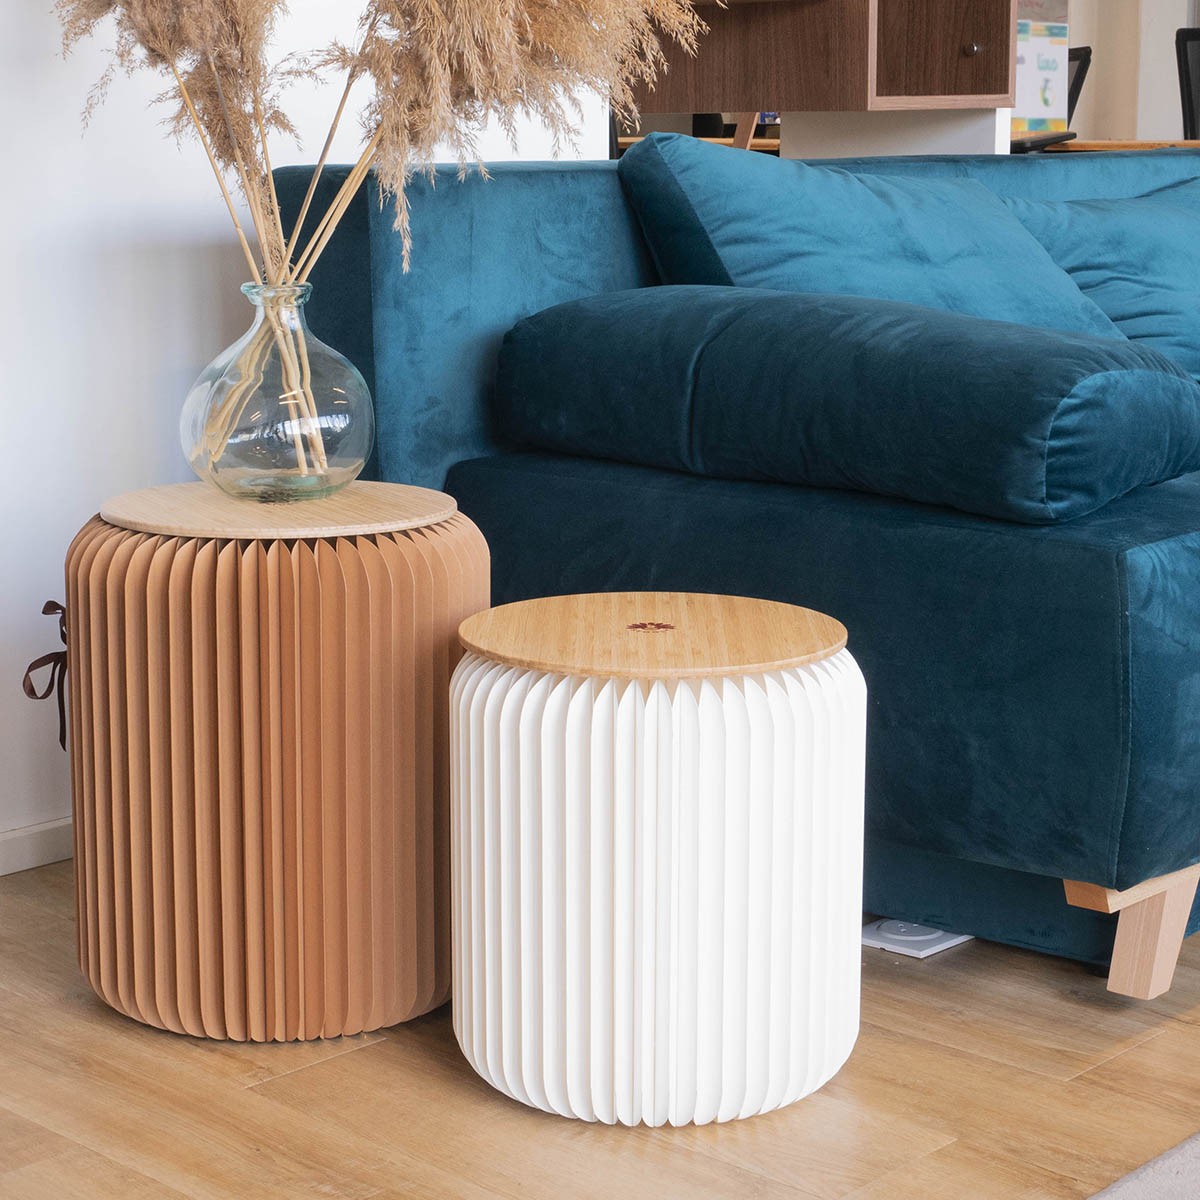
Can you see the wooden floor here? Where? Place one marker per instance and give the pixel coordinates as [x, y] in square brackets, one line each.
[982, 1074]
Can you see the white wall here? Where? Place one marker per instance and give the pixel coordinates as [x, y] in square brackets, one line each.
[1132, 88]
[1159, 112]
[1108, 103]
[120, 283]
[847, 134]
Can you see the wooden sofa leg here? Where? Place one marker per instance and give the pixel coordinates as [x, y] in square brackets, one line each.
[1153, 919]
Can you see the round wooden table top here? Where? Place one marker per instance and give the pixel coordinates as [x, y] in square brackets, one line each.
[652, 635]
[202, 510]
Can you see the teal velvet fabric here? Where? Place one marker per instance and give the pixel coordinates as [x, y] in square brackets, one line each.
[870, 395]
[476, 276]
[1034, 691]
[1076, 176]
[716, 215]
[486, 252]
[1138, 258]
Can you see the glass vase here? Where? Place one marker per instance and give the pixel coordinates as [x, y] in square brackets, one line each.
[278, 416]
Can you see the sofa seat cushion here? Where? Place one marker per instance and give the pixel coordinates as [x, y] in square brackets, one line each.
[1138, 258]
[1034, 691]
[841, 391]
[721, 216]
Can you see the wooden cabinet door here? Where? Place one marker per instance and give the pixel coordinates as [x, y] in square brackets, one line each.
[950, 48]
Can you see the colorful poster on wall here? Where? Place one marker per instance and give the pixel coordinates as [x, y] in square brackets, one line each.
[1042, 78]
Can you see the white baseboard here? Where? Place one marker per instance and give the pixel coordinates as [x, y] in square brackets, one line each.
[35, 846]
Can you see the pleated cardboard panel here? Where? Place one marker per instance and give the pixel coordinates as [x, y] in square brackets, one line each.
[162, 833]
[118, 758]
[137, 729]
[255, 866]
[79, 679]
[206, 788]
[231, 803]
[105, 885]
[293, 797]
[380, 734]
[407, 846]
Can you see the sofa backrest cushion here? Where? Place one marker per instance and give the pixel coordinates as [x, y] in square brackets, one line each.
[713, 215]
[1138, 258]
[840, 391]
[489, 253]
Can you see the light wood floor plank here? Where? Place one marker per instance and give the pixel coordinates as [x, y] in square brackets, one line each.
[964, 1172]
[37, 950]
[52, 886]
[987, 1074]
[1165, 1072]
[24, 1142]
[1072, 1128]
[79, 1174]
[1182, 1002]
[108, 1086]
[823, 1147]
[417, 1082]
[1046, 1015]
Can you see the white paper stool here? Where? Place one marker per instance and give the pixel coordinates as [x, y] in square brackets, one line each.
[657, 854]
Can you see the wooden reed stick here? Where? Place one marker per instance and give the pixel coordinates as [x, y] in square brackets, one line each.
[316, 175]
[253, 361]
[336, 211]
[303, 389]
[212, 161]
[306, 384]
[253, 199]
[351, 77]
[291, 381]
[272, 194]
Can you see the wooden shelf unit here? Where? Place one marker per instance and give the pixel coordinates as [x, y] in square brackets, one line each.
[843, 56]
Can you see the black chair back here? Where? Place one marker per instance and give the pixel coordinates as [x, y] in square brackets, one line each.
[1187, 51]
[708, 125]
[1079, 59]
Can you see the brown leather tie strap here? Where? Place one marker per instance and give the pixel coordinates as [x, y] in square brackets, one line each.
[56, 660]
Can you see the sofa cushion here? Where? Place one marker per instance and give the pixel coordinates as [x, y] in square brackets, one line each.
[1137, 258]
[721, 216]
[841, 391]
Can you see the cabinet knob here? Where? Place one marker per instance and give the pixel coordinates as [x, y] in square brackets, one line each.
[971, 49]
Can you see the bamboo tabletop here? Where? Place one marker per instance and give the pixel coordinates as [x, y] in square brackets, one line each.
[1093, 147]
[652, 635]
[758, 143]
[201, 510]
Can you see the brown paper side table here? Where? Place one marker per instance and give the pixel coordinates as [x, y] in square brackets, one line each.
[258, 748]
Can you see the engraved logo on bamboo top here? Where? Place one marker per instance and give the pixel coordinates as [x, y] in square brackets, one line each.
[650, 626]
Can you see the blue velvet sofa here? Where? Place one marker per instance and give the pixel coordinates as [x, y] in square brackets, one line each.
[1034, 689]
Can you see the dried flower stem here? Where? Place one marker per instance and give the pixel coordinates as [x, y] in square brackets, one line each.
[316, 175]
[302, 423]
[306, 385]
[303, 393]
[237, 225]
[341, 202]
[253, 362]
[253, 195]
[272, 194]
